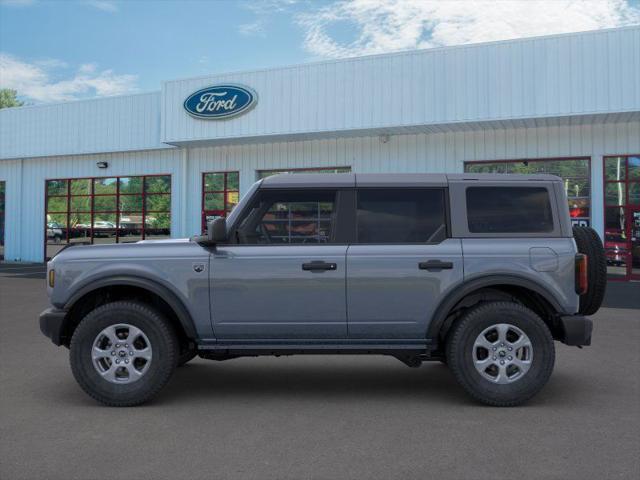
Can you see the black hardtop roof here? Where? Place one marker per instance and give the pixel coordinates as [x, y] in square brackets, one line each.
[345, 180]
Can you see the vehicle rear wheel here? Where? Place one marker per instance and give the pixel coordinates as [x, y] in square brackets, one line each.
[123, 353]
[501, 353]
[588, 242]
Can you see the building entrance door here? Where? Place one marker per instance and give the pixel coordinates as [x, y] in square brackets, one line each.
[634, 240]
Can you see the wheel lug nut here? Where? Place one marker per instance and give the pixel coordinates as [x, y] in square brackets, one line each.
[494, 349]
[501, 362]
[117, 345]
[131, 353]
[112, 352]
[126, 360]
[117, 361]
[510, 357]
[494, 357]
[126, 345]
[502, 344]
[510, 348]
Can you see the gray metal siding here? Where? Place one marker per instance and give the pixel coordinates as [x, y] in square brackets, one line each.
[547, 77]
[90, 126]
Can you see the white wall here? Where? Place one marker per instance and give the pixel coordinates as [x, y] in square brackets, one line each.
[112, 124]
[555, 76]
[435, 152]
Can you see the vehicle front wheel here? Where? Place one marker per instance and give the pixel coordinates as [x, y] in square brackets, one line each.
[123, 353]
[501, 353]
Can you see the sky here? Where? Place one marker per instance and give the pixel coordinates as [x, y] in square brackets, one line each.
[59, 50]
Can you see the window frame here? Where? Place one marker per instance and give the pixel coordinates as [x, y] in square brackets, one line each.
[225, 192]
[445, 204]
[459, 216]
[627, 208]
[278, 171]
[92, 211]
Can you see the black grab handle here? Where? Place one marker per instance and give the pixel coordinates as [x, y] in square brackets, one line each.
[435, 265]
[319, 266]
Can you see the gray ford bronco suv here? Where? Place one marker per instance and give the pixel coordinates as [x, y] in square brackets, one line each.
[481, 272]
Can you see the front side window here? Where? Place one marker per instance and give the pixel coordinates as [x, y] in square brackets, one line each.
[509, 210]
[285, 218]
[401, 216]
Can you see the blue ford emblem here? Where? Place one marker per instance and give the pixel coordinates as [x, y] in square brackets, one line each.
[220, 101]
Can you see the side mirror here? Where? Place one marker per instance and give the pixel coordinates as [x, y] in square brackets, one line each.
[217, 230]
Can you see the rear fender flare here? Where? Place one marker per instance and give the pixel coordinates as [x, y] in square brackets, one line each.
[461, 291]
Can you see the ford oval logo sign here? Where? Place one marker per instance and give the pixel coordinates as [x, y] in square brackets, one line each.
[220, 101]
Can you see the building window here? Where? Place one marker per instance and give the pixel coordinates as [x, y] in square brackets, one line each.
[106, 210]
[220, 194]
[2, 210]
[622, 216]
[575, 172]
[268, 173]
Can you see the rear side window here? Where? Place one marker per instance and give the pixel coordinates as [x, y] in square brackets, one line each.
[509, 210]
[401, 216]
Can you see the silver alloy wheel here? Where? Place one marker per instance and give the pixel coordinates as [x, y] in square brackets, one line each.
[502, 353]
[121, 353]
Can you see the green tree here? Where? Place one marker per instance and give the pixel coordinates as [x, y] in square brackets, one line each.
[8, 98]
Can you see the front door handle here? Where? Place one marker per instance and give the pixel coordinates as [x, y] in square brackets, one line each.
[435, 265]
[319, 266]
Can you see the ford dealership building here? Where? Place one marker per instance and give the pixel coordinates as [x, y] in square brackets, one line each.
[159, 164]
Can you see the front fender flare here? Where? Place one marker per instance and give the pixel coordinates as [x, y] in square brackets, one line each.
[184, 317]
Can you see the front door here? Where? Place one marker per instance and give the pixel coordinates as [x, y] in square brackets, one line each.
[401, 264]
[284, 278]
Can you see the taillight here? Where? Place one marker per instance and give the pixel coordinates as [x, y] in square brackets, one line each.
[582, 282]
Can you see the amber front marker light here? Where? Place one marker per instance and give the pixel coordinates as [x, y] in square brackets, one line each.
[52, 278]
[582, 282]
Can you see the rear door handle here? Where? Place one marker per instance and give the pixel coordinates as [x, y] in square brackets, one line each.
[435, 265]
[319, 266]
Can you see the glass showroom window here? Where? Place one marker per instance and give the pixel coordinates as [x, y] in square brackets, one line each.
[220, 193]
[268, 173]
[622, 216]
[2, 210]
[574, 171]
[106, 210]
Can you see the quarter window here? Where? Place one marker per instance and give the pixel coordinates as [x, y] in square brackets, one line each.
[575, 174]
[290, 218]
[509, 210]
[401, 216]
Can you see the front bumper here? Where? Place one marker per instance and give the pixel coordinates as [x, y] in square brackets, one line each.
[575, 330]
[52, 324]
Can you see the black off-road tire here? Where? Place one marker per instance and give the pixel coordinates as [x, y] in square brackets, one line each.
[460, 353]
[164, 346]
[588, 242]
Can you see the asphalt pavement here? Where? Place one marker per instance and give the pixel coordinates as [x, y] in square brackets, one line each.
[315, 417]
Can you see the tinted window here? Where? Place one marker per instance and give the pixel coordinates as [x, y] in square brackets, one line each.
[290, 218]
[509, 210]
[401, 216]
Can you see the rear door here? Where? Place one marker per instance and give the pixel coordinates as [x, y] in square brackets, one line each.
[401, 263]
